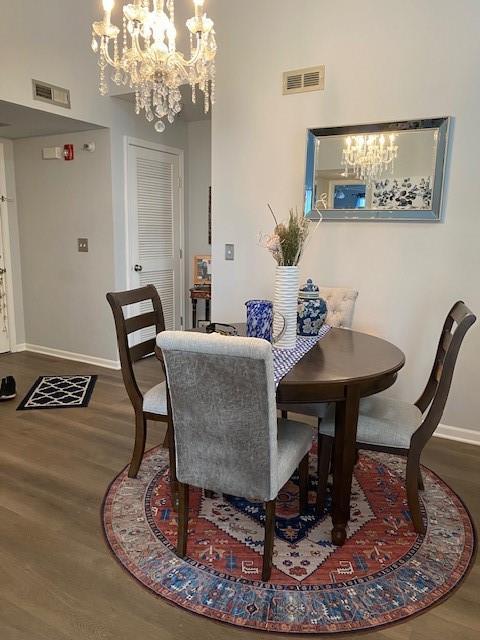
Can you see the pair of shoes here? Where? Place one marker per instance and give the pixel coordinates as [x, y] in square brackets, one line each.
[8, 390]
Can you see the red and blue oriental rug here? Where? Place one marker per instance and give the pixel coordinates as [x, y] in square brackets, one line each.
[384, 573]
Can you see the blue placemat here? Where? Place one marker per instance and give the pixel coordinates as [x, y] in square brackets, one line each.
[285, 359]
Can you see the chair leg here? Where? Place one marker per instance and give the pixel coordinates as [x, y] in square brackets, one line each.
[165, 443]
[303, 478]
[421, 484]
[284, 415]
[325, 450]
[139, 448]
[182, 535]
[332, 459]
[269, 539]
[172, 463]
[413, 470]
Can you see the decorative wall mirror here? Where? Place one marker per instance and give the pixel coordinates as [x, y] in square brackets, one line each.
[386, 171]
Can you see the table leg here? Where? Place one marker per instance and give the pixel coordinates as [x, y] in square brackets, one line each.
[194, 313]
[346, 418]
[207, 309]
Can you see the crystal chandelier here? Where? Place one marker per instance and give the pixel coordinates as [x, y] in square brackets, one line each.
[367, 158]
[148, 61]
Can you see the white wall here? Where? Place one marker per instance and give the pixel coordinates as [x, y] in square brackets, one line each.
[59, 202]
[384, 61]
[199, 181]
[50, 41]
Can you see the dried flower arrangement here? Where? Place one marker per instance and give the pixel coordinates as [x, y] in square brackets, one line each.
[288, 241]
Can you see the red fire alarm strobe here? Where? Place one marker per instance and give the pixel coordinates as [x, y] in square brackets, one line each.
[68, 152]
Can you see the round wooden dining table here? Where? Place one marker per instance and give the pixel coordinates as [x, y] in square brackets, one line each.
[343, 367]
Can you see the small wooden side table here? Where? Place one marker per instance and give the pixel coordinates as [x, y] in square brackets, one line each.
[201, 292]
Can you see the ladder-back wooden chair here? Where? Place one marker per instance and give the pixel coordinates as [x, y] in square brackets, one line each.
[153, 404]
[393, 426]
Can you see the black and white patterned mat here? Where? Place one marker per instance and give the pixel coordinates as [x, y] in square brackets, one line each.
[59, 392]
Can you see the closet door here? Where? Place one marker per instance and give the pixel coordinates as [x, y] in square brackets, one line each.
[154, 228]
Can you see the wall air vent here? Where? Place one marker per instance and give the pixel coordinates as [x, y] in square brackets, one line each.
[302, 80]
[49, 93]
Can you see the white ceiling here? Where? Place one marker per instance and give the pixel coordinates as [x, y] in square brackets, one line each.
[17, 121]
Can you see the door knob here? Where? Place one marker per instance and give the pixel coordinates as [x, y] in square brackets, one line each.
[138, 268]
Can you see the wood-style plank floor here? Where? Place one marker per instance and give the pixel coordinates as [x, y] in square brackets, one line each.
[58, 581]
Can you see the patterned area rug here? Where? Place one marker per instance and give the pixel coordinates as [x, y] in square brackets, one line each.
[59, 392]
[384, 573]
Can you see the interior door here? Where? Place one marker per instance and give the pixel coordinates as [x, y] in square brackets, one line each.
[155, 228]
[4, 337]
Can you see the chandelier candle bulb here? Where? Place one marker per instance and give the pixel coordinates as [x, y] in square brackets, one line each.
[198, 7]
[108, 7]
[172, 35]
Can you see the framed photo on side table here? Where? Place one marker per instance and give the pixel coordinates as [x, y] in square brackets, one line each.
[202, 270]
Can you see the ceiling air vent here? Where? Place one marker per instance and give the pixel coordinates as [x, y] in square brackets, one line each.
[50, 93]
[302, 80]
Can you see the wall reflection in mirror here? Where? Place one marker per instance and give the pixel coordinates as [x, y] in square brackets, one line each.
[386, 171]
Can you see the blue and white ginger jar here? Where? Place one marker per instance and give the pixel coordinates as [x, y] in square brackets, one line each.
[312, 310]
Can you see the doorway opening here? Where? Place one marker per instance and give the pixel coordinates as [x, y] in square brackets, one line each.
[7, 317]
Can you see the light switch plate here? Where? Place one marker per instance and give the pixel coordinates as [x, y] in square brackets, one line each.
[83, 245]
[229, 252]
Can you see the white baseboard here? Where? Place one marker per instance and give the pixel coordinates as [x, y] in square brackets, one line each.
[469, 436]
[68, 355]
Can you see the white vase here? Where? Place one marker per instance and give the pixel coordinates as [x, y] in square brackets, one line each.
[285, 303]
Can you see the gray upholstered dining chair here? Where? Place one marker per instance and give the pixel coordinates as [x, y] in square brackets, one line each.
[340, 306]
[393, 426]
[340, 309]
[227, 436]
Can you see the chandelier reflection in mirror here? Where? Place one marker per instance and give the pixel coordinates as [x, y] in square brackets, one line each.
[369, 157]
[148, 61]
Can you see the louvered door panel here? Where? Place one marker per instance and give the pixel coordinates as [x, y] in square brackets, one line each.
[164, 283]
[155, 202]
[156, 229]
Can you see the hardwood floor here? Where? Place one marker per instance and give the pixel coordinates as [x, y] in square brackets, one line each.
[58, 581]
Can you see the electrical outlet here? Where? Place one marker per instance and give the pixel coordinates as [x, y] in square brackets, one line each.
[83, 245]
[229, 252]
